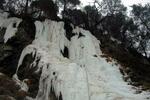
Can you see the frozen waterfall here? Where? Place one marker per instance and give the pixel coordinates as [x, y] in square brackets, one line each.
[83, 75]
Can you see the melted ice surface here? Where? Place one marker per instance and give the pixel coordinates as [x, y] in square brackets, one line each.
[85, 75]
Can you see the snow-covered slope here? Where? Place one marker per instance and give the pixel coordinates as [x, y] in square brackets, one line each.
[84, 75]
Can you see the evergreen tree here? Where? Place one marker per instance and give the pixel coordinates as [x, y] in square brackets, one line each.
[44, 8]
[1, 4]
[110, 7]
[141, 18]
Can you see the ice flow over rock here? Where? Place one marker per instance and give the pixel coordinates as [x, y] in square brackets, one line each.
[83, 75]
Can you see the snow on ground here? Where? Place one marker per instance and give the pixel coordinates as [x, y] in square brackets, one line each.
[85, 75]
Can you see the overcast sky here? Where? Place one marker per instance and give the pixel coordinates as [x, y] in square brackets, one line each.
[127, 3]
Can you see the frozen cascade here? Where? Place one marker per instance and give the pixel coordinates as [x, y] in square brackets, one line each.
[10, 24]
[84, 75]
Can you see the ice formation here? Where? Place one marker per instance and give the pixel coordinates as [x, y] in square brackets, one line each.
[10, 24]
[84, 75]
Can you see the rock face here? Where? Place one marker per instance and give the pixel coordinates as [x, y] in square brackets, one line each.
[58, 62]
[12, 45]
[8, 88]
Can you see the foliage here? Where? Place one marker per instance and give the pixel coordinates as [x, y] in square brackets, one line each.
[67, 4]
[15, 6]
[141, 17]
[110, 7]
[32, 8]
[77, 17]
[72, 2]
[45, 8]
[93, 16]
[1, 4]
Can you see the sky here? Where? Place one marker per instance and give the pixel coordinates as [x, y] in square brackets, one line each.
[127, 3]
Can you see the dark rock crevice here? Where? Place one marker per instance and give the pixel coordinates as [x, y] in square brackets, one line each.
[65, 52]
[8, 88]
[81, 35]
[68, 28]
[27, 71]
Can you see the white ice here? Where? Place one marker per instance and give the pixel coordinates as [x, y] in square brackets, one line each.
[8, 23]
[85, 75]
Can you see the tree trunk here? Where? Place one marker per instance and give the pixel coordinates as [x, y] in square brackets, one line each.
[26, 7]
[64, 10]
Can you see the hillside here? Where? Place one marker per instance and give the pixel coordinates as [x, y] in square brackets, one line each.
[48, 62]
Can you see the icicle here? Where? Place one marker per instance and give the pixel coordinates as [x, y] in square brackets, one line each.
[84, 75]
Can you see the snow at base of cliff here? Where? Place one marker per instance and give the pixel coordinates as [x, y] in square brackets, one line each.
[84, 75]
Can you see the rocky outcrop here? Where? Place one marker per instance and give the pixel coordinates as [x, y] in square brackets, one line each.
[11, 50]
[8, 88]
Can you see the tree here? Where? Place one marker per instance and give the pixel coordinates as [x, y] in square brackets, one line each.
[141, 18]
[44, 8]
[141, 15]
[32, 8]
[1, 4]
[77, 17]
[17, 6]
[26, 6]
[113, 18]
[93, 16]
[115, 26]
[67, 4]
[109, 7]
